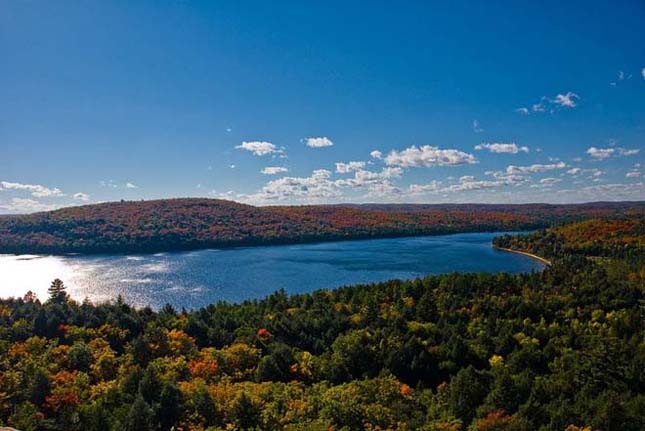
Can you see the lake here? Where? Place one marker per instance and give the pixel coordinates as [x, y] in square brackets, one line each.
[197, 278]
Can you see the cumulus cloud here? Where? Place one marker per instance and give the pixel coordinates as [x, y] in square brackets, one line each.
[546, 182]
[501, 147]
[628, 152]
[431, 187]
[605, 153]
[600, 153]
[376, 154]
[344, 168]
[511, 169]
[378, 184]
[84, 197]
[21, 205]
[317, 186]
[574, 171]
[273, 170]
[568, 100]
[428, 156]
[36, 190]
[258, 148]
[464, 184]
[130, 185]
[319, 142]
[634, 172]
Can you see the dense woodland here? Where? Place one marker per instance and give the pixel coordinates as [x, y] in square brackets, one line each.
[616, 238]
[179, 224]
[562, 349]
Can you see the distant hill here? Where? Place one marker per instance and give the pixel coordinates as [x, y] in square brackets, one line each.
[618, 238]
[192, 223]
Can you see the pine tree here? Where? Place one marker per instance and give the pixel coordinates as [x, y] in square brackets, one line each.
[139, 417]
[57, 291]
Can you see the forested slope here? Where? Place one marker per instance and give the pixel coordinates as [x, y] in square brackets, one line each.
[177, 224]
[624, 238]
[563, 349]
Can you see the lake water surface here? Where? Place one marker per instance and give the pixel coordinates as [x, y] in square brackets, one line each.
[197, 278]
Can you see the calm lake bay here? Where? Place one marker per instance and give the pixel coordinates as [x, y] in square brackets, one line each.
[198, 278]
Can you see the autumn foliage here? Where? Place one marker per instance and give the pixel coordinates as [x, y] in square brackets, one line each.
[180, 224]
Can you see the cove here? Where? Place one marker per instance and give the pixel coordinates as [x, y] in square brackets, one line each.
[198, 278]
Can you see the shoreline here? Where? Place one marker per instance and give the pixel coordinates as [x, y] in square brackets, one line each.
[179, 248]
[510, 250]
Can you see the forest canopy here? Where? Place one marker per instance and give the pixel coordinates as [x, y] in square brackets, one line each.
[180, 224]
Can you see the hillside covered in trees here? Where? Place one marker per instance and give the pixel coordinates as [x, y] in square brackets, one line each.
[616, 238]
[560, 350]
[179, 224]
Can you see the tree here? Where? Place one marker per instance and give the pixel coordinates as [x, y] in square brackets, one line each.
[170, 406]
[246, 413]
[57, 291]
[139, 417]
[30, 297]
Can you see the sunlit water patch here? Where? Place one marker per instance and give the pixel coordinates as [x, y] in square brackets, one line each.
[197, 278]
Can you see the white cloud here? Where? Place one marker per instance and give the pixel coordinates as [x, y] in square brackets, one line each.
[428, 156]
[81, 196]
[464, 184]
[574, 171]
[634, 172]
[344, 168]
[376, 154]
[605, 153]
[20, 205]
[600, 153]
[511, 169]
[477, 127]
[319, 142]
[364, 178]
[129, 185]
[568, 100]
[36, 190]
[317, 186]
[501, 147]
[258, 148]
[431, 187]
[628, 152]
[643, 72]
[273, 170]
[546, 182]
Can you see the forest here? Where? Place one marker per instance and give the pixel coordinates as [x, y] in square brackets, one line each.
[182, 224]
[562, 349]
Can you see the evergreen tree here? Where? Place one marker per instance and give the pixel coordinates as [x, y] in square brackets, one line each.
[139, 417]
[57, 291]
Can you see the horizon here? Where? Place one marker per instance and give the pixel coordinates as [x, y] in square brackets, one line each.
[294, 104]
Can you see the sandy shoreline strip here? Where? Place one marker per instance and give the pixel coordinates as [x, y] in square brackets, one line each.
[541, 259]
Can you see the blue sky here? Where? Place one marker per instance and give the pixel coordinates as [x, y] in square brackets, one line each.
[269, 102]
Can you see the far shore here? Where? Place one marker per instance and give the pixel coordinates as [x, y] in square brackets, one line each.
[510, 250]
